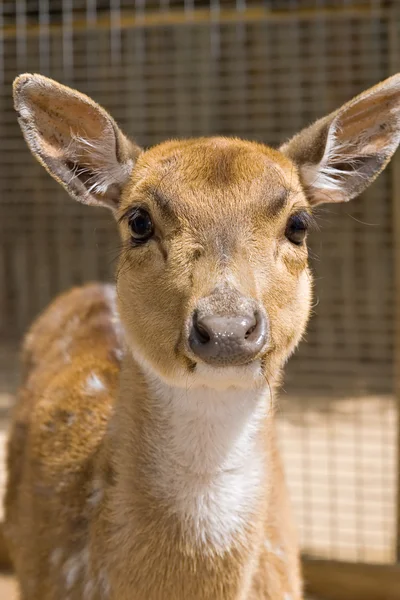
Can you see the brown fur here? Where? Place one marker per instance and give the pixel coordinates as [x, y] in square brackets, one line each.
[84, 519]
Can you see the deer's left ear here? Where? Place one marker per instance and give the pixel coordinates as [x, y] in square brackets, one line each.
[341, 154]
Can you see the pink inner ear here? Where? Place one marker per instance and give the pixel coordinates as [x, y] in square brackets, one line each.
[59, 119]
[370, 121]
[62, 110]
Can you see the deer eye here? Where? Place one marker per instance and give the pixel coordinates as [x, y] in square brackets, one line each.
[297, 226]
[140, 225]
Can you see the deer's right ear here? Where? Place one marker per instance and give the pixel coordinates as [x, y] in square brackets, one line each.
[75, 139]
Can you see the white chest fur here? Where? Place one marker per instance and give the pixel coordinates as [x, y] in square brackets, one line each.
[209, 465]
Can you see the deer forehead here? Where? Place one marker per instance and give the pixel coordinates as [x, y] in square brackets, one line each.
[204, 179]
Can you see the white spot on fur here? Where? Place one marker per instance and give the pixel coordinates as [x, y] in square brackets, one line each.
[287, 597]
[94, 384]
[56, 557]
[277, 550]
[88, 590]
[71, 570]
[104, 583]
[74, 566]
[118, 353]
[110, 295]
[96, 493]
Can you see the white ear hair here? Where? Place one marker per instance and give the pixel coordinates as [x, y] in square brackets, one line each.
[331, 172]
[102, 171]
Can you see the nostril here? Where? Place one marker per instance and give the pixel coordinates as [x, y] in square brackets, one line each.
[250, 331]
[255, 328]
[203, 335]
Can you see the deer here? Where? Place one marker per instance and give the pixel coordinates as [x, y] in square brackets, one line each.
[143, 460]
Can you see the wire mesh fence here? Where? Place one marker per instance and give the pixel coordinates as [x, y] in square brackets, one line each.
[259, 70]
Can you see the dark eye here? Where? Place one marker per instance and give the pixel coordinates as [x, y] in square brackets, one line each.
[141, 225]
[297, 227]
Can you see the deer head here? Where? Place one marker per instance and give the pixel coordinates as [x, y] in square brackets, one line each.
[213, 283]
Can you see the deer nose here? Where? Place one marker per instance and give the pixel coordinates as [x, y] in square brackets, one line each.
[228, 340]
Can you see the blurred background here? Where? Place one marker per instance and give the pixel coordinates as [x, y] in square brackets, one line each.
[259, 70]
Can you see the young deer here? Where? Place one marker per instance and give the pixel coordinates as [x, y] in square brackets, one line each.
[143, 462]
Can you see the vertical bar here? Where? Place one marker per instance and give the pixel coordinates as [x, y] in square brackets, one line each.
[140, 9]
[44, 40]
[239, 72]
[138, 40]
[378, 294]
[88, 247]
[214, 65]
[183, 71]
[21, 33]
[64, 239]
[396, 219]
[189, 8]
[322, 66]
[40, 256]
[394, 49]
[4, 313]
[206, 85]
[215, 33]
[90, 37]
[115, 33]
[1, 44]
[268, 86]
[19, 247]
[67, 37]
[21, 270]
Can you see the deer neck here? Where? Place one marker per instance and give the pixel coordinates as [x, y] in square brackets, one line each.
[194, 456]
